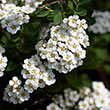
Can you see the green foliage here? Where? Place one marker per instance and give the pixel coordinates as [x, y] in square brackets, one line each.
[58, 18]
[42, 14]
[82, 2]
[11, 66]
[78, 80]
[80, 11]
[70, 4]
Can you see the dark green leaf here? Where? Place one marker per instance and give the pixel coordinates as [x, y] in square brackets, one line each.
[81, 12]
[11, 66]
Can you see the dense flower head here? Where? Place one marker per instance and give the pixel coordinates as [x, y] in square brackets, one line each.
[65, 49]
[9, 1]
[37, 74]
[31, 5]
[83, 99]
[13, 16]
[3, 61]
[102, 24]
[15, 93]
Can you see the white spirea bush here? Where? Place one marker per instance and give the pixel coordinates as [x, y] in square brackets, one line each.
[64, 51]
[65, 48]
[102, 24]
[15, 93]
[84, 99]
[12, 16]
[3, 61]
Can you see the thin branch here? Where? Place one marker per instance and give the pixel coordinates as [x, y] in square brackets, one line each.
[48, 4]
[103, 76]
[49, 95]
[57, 1]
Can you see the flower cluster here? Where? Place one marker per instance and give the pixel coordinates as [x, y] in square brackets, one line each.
[31, 5]
[3, 61]
[69, 99]
[12, 16]
[64, 50]
[85, 99]
[37, 74]
[15, 93]
[9, 1]
[102, 24]
[99, 98]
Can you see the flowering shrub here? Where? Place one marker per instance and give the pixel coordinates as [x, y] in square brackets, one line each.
[83, 99]
[40, 39]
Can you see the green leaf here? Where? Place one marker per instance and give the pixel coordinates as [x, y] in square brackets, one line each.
[58, 18]
[42, 14]
[70, 4]
[38, 10]
[11, 66]
[81, 12]
[82, 2]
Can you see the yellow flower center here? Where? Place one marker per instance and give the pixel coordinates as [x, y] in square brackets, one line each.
[62, 36]
[74, 45]
[40, 73]
[13, 27]
[70, 62]
[63, 48]
[76, 37]
[74, 21]
[0, 61]
[52, 55]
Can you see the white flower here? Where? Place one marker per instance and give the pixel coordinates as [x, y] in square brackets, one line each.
[15, 82]
[3, 62]
[49, 78]
[74, 96]
[41, 83]
[73, 21]
[30, 85]
[100, 102]
[83, 105]
[53, 106]
[13, 28]
[28, 63]
[84, 91]
[57, 99]
[23, 95]
[25, 73]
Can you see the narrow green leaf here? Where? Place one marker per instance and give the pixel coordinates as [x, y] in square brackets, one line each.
[82, 2]
[42, 14]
